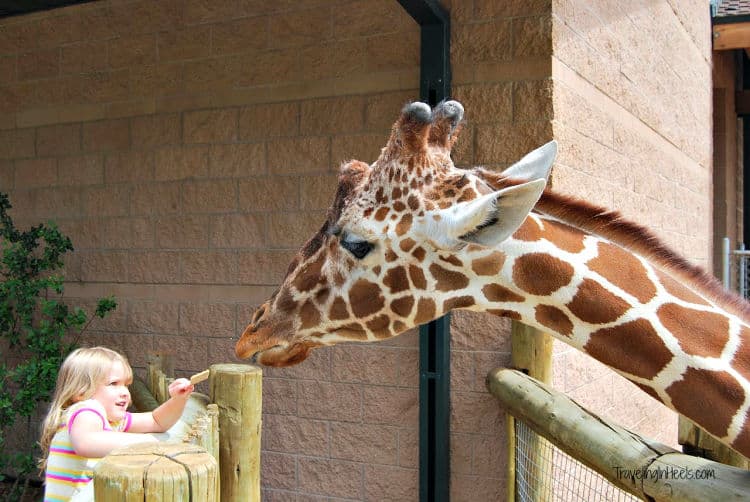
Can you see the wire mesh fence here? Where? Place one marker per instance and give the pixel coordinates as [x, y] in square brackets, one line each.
[545, 473]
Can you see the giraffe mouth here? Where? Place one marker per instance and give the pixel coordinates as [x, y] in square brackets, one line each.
[282, 355]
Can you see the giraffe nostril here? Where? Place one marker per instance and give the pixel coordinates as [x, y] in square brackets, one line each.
[259, 313]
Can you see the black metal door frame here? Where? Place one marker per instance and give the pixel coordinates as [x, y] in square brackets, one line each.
[434, 337]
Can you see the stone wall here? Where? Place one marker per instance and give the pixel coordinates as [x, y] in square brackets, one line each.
[189, 147]
[632, 113]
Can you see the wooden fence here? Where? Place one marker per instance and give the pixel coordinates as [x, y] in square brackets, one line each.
[644, 468]
[212, 454]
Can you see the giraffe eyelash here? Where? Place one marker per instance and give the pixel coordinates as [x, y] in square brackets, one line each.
[359, 248]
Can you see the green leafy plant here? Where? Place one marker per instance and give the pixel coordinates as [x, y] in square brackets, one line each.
[37, 330]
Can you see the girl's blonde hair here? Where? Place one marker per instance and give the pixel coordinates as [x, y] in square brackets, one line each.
[80, 374]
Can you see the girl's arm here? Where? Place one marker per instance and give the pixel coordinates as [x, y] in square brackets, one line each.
[89, 439]
[166, 415]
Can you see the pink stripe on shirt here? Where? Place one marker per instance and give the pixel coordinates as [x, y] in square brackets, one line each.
[105, 425]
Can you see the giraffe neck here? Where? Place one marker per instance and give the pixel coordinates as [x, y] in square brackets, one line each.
[665, 334]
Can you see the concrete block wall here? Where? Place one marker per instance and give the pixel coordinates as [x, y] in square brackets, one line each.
[500, 57]
[189, 147]
[633, 115]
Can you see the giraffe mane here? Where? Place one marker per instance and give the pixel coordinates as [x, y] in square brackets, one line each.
[635, 237]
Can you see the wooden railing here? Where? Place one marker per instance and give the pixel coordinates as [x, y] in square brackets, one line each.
[644, 468]
[212, 454]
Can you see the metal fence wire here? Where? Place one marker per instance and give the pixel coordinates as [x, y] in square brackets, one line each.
[545, 473]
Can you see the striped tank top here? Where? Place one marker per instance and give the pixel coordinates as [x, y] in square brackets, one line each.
[68, 473]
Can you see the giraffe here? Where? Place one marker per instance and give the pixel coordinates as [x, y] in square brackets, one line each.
[411, 237]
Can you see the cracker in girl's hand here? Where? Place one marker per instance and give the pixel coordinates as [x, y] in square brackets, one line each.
[199, 377]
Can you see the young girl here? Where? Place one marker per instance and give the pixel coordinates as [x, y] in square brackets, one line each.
[88, 418]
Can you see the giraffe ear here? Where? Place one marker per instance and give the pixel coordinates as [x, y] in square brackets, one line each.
[494, 217]
[534, 165]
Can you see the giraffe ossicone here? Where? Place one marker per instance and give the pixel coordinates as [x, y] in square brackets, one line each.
[411, 237]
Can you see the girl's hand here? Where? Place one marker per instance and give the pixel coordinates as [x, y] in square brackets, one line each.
[181, 388]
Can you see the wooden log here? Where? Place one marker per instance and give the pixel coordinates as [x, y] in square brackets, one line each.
[158, 472]
[142, 398]
[236, 390]
[212, 440]
[645, 468]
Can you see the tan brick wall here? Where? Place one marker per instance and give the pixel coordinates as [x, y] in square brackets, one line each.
[500, 56]
[632, 113]
[188, 147]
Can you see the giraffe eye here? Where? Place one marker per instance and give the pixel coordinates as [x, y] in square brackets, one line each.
[358, 248]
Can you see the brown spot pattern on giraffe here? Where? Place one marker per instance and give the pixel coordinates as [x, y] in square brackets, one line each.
[623, 270]
[526, 276]
[498, 293]
[711, 397]
[426, 311]
[678, 290]
[742, 442]
[395, 279]
[741, 359]
[322, 295]
[529, 231]
[404, 225]
[448, 280]
[417, 277]
[355, 331]
[633, 347]
[458, 302]
[488, 265]
[381, 213]
[309, 315]
[338, 310]
[407, 244]
[413, 202]
[467, 195]
[379, 326]
[452, 259]
[403, 306]
[594, 304]
[553, 318]
[563, 236]
[309, 275]
[691, 326]
[365, 298]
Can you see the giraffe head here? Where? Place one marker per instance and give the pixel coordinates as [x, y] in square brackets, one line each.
[398, 243]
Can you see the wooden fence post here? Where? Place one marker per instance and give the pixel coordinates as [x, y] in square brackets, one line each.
[158, 472]
[237, 390]
[531, 352]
